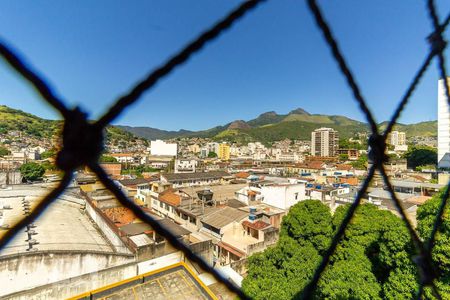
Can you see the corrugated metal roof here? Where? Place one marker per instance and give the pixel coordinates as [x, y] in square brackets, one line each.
[224, 216]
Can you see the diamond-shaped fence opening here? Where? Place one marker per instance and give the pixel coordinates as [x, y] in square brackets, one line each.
[75, 153]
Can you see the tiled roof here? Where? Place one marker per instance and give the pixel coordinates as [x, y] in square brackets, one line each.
[169, 197]
[258, 225]
[120, 215]
[344, 167]
[243, 175]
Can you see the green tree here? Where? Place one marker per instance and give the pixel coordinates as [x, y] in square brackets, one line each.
[361, 162]
[309, 222]
[372, 260]
[280, 272]
[420, 156]
[4, 151]
[32, 171]
[212, 154]
[350, 278]
[48, 153]
[426, 216]
[343, 157]
[107, 159]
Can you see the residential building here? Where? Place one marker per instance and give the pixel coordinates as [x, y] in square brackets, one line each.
[185, 165]
[196, 179]
[112, 169]
[159, 147]
[212, 147]
[324, 142]
[397, 138]
[279, 195]
[223, 151]
[443, 126]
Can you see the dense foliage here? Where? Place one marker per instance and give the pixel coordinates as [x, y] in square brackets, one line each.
[426, 216]
[361, 162]
[107, 159]
[32, 171]
[4, 151]
[212, 154]
[420, 156]
[48, 154]
[372, 260]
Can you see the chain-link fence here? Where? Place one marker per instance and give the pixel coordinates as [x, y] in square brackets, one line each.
[82, 141]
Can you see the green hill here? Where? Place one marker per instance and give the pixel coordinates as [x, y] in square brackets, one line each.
[270, 126]
[33, 126]
[428, 128]
[13, 119]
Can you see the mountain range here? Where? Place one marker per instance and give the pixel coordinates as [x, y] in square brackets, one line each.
[271, 126]
[267, 127]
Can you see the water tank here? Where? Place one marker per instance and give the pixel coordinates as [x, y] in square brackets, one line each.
[205, 195]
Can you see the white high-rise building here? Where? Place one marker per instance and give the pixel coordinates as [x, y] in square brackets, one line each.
[324, 142]
[443, 126]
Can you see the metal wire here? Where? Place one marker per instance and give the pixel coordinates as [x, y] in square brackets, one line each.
[37, 211]
[377, 142]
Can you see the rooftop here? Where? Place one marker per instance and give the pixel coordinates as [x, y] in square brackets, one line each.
[173, 282]
[412, 184]
[197, 175]
[224, 216]
[133, 182]
[61, 227]
[221, 192]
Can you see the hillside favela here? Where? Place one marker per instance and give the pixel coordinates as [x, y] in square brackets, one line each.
[253, 171]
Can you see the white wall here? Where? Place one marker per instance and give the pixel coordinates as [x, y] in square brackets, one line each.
[160, 262]
[23, 272]
[443, 127]
[283, 196]
[159, 147]
[106, 230]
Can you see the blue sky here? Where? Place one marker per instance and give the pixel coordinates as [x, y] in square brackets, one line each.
[273, 59]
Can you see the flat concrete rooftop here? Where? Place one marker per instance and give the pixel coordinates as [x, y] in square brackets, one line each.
[172, 282]
[63, 226]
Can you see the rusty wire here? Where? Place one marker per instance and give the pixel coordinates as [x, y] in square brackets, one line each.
[75, 154]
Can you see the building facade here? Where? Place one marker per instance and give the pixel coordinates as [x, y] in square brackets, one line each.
[324, 142]
[224, 152]
[443, 127]
[159, 147]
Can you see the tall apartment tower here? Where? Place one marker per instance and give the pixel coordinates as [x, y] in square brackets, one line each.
[324, 142]
[443, 126]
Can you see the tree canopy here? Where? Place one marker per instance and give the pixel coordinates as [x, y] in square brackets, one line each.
[32, 171]
[107, 159]
[212, 154]
[360, 163]
[372, 261]
[4, 151]
[420, 156]
[426, 216]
